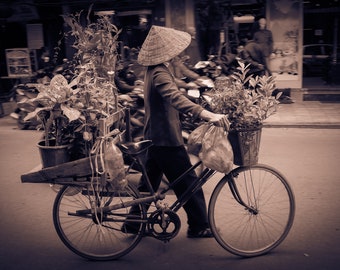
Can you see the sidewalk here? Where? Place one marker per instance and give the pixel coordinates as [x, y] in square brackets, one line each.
[306, 114]
[309, 114]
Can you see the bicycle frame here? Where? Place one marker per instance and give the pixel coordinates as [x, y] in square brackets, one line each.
[236, 194]
[156, 196]
[250, 211]
[201, 180]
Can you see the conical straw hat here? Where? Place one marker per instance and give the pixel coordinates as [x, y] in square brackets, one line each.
[162, 44]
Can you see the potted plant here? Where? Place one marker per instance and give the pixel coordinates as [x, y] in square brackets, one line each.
[52, 110]
[70, 112]
[247, 100]
[69, 116]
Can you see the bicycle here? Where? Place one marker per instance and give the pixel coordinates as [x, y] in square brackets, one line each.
[251, 210]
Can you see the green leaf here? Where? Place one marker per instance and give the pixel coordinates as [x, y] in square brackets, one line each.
[33, 114]
[71, 113]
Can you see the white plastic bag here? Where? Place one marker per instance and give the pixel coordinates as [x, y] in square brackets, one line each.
[217, 152]
[195, 139]
[114, 164]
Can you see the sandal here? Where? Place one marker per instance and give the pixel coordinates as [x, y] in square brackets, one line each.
[205, 233]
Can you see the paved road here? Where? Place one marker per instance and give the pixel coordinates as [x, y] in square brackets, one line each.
[309, 158]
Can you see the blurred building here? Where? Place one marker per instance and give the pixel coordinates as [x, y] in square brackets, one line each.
[37, 24]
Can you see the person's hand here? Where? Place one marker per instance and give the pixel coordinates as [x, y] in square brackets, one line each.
[220, 120]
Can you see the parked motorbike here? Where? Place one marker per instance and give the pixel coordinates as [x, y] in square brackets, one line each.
[25, 92]
[209, 68]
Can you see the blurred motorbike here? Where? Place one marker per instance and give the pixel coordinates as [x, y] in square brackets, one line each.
[209, 68]
[25, 92]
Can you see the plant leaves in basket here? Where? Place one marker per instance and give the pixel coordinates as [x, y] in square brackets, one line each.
[246, 100]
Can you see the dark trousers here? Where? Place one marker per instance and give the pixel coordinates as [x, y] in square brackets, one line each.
[173, 162]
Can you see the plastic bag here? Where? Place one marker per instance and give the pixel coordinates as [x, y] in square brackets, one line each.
[217, 152]
[114, 165]
[195, 138]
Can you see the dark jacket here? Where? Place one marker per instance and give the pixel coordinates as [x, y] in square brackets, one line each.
[253, 55]
[265, 39]
[163, 102]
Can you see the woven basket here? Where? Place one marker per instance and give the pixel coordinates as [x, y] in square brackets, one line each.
[246, 145]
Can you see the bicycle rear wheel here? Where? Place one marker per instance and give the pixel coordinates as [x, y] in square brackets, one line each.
[96, 235]
[263, 221]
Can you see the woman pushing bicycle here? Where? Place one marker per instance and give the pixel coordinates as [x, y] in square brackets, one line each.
[163, 101]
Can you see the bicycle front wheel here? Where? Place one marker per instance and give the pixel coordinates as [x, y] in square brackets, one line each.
[251, 210]
[94, 234]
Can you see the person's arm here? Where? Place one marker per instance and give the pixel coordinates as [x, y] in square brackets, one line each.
[170, 92]
[215, 118]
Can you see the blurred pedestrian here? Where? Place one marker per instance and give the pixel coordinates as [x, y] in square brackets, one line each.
[185, 77]
[264, 38]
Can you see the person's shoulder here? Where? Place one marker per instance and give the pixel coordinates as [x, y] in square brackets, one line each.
[160, 70]
[155, 68]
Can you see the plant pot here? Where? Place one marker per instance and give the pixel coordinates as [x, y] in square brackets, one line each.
[246, 145]
[53, 155]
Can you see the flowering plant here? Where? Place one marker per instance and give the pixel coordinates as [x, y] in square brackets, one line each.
[245, 99]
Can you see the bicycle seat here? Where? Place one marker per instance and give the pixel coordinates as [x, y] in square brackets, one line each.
[135, 148]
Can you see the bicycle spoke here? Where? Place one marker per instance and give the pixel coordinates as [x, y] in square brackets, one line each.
[260, 214]
[97, 235]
